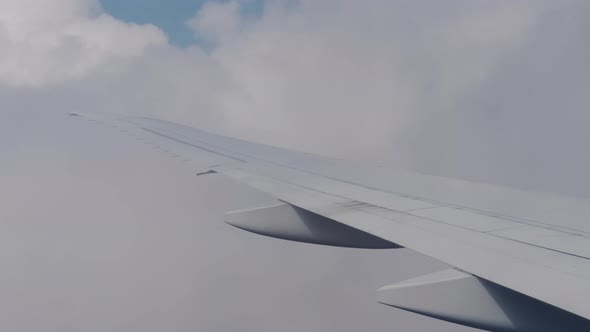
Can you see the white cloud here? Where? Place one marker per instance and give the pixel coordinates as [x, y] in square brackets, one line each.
[357, 73]
[45, 42]
[216, 21]
[404, 81]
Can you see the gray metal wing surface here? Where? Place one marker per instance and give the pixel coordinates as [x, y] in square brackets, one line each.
[519, 261]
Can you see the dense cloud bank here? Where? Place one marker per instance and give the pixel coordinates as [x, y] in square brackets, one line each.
[492, 91]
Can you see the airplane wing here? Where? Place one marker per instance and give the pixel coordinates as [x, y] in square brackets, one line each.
[519, 261]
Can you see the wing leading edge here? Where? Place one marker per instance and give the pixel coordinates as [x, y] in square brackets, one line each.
[524, 262]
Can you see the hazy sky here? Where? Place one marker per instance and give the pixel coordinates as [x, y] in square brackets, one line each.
[100, 232]
[171, 16]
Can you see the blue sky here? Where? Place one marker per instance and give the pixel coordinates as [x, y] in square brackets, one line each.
[169, 15]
